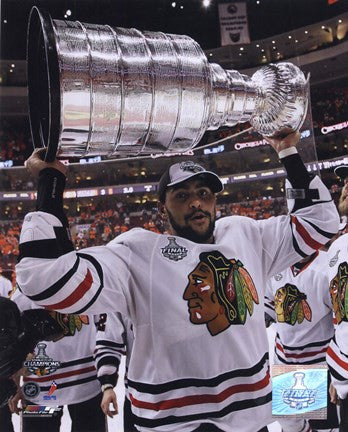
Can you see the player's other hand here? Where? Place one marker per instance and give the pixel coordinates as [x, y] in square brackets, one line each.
[333, 394]
[109, 398]
[35, 163]
[17, 402]
[284, 142]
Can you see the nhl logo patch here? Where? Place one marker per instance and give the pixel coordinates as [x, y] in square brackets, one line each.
[173, 251]
[191, 166]
[278, 277]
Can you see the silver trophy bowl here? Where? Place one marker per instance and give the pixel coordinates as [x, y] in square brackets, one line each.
[101, 90]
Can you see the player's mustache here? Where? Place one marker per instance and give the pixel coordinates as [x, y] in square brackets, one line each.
[187, 217]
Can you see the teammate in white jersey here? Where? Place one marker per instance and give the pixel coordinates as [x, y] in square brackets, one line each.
[114, 340]
[337, 266]
[195, 297]
[299, 302]
[64, 374]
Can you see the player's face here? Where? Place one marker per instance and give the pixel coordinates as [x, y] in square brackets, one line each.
[201, 296]
[190, 209]
[343, 203]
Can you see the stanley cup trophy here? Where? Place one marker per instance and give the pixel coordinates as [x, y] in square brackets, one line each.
[101, 90]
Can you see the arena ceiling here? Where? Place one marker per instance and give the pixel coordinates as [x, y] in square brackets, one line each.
[191, 17]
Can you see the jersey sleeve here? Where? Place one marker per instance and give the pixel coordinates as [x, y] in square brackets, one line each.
[111, 345]
[288, 239]
[70, 282]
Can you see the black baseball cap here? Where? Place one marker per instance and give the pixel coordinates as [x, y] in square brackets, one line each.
[341, 171]
[182, 171]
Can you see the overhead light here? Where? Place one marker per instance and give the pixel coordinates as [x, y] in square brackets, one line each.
[240, 54]
[241, 48]
[13, 65]
[340, 21]
[5, 21]
[262, 50]
[273, 42]
[11, 70]
[306, 31]
[68, 12]
[181, 7]
[257, 1]
[296, 41]
[323, 27]
[257, 46]
[173, 4]
[274, 48]
[210, 54]
[289, 36]
[278, 53]
[206, 3]
[65, 16]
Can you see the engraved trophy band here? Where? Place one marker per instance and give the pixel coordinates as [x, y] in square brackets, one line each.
[102, 90]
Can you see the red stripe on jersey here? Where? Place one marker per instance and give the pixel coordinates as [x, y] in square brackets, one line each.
[305, 235]
[61, 375]
[76, 295]
[200, 399]
[331, 353]
[303, 355]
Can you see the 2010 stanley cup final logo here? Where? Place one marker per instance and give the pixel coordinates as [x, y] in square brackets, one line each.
[41, 364]
[299, 395]
[173, 251]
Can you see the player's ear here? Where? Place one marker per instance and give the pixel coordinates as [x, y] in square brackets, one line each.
[162, 210]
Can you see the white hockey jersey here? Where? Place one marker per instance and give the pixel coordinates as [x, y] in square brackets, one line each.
[337, 353]
[114, 340]
[299, 301]
[200, 352]
[67, 374]
[5, 287]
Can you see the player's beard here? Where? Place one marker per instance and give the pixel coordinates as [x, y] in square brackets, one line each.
[189, 233]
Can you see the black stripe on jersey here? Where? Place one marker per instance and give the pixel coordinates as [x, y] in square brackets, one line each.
[99, 270]
[77, 362]
[111, 353]
[336, 375]
[318, 230]
[196, 382]
[295, 244]
[341, 352]
[109, 343]
[269, 307]
[309, 362]
[47, 248]
[108, 361]
[71, 383]
[234, 406]
[53, 289]
[312, 344]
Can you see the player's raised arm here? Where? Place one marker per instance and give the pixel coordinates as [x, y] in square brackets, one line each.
[49, 271]
[312, 220]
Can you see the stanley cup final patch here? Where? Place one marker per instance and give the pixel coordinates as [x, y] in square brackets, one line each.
[173, 251]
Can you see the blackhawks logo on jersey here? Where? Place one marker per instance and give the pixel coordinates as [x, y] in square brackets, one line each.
[70, 323]
[220, 292]
[339, 293]
[291, 305]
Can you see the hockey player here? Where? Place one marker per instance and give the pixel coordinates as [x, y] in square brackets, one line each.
[195, 297]
[298, 299]
[64, 374]
[114, 340]
[337, 267]
[5, 286]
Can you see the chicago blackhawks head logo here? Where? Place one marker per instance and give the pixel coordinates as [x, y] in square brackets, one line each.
[69, 322]
[339, 293]
[220, 292]
[291, 306]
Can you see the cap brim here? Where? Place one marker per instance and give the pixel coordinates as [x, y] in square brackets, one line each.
[214, 181]
[342, 171]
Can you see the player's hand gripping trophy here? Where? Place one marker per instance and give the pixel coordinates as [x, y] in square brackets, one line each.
[100, 90]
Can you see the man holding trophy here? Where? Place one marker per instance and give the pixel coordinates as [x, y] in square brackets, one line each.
[200, 356]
